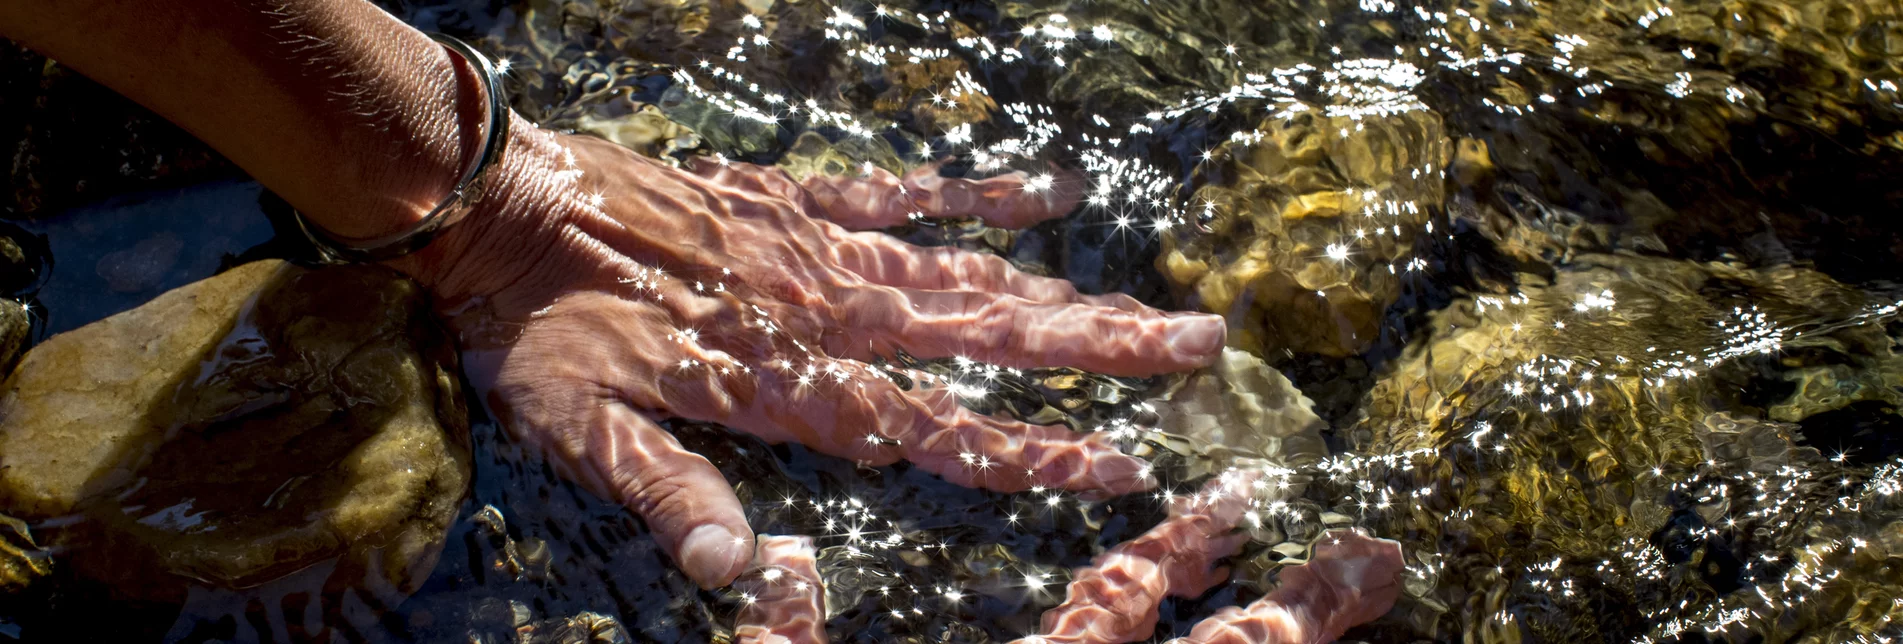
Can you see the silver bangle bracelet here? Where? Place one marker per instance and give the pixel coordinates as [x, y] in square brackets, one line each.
[469, 188]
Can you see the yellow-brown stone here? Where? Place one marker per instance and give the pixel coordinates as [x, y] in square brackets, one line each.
[1328, 208]
[241, 428]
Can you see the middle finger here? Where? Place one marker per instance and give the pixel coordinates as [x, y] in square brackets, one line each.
[1015, 332]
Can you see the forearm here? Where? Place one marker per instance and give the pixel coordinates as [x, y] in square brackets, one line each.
[356, 119]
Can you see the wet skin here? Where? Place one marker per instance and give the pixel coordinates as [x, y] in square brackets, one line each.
[595, 291]
[599, 291]
[782, 599]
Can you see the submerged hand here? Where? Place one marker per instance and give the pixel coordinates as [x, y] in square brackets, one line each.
[600, 291]
[1349, 580]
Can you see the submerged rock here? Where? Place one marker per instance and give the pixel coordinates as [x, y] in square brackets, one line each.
[70, 140]
[638, 126]
[1241, 408]
[15, 326]
[22, 561]
[1597, 432]
[1756, 130]
[585, 628]
[811, 154]
[1311, 228]
[242, 428]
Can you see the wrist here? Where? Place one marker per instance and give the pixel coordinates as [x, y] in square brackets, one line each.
[403, 169]
[520, 201]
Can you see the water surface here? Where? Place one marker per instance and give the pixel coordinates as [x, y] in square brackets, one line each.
[1595, 297]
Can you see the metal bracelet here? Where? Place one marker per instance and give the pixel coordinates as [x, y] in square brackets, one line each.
[462, 198]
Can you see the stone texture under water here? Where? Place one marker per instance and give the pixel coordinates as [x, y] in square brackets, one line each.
[1240, 408]
[22, 561]
[70, 140]
[1744, 150]
[241, 428]
[15, 326]
[1567, 439]
[1311, 225]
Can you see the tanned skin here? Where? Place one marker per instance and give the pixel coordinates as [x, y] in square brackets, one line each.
[595, 291]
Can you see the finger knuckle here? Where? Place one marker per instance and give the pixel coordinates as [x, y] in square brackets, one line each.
[661, 489]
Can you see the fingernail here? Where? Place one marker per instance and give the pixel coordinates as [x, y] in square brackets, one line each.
[1197, 338]
[708, 554]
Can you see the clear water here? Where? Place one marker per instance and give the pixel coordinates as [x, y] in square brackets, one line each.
[1594, 297]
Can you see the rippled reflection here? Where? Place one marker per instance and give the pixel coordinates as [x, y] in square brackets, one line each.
[1590, 300]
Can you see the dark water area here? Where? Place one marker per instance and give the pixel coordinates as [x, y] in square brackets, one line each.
[1597, 304]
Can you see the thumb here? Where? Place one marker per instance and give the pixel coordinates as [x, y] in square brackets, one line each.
[686, 502]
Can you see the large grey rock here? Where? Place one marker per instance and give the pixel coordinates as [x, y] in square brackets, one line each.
[241, 428]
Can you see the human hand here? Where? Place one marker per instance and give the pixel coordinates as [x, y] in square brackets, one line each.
[597, 291]
[1349, 578]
